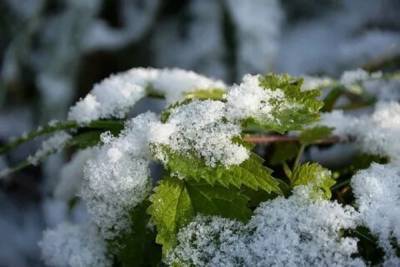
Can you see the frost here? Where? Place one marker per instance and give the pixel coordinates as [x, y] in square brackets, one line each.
[53, 144]
[377, 192]
[74, 246]
[200, 127]
[114, 96]
[118, 178]
[283, 232]
[249, 99]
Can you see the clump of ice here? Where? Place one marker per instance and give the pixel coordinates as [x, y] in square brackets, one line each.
[283, 232]
[71, 245]
[377, 193]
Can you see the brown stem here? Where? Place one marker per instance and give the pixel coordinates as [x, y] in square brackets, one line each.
[267, 139]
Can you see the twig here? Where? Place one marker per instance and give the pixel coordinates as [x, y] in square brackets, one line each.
[267, 139]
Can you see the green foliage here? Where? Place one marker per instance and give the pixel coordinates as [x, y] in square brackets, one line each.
[315, 175]
[314, 134]
[175, 202]
[250, 173]
[297, 109]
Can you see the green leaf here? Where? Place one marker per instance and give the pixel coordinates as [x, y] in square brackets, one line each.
[250, 173]
[315, 175]
[175, 202]
[298, 108]
[137, 247]
[314, 134]
[170, 210]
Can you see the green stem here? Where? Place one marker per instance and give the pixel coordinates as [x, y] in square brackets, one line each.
[51, 128]
[60, 126]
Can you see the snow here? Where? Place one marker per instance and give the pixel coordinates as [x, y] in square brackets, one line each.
[200, 127]
[283, 232]
[118, 178]
[377, 193]
[375, 134]
[114, 96]
[70, 245]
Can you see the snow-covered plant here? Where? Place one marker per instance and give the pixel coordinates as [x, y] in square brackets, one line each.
[186, 187]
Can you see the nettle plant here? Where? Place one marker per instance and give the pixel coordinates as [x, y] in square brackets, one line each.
[186, 187]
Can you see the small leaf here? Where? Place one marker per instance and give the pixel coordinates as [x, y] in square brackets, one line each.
[314, 134]
[316, 176]
[170, 210]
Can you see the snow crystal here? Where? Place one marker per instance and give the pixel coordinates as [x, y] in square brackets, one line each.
[74, 246]
[311, 82]
[377, 193]
[114, 96]
[283, 232]
[53, 144]
[249, 99]
[200, 127]
[118, 178]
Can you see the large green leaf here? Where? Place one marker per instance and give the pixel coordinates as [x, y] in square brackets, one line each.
[175, 202]
[250, 173]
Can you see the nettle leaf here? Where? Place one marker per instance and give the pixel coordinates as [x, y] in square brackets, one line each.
[297, 109]
[315, 175]
[314, 134]
[250, 173]
[170, 210]
[175, 202]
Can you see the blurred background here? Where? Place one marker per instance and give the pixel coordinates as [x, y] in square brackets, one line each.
[53, 51]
